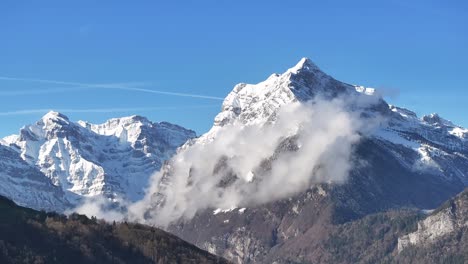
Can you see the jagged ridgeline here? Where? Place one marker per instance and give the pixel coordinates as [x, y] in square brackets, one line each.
[299, 168]
[55, 163]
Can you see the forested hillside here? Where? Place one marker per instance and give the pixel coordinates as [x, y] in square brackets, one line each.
[28, 236]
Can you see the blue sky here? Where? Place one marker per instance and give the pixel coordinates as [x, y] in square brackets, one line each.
[416, 50]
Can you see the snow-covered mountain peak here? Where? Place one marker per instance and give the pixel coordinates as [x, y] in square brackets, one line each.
[118, 122]
[304, 65]
[54, 117]
[143, 135]
[114, 159]
[8, 140]
[115, 126]
[127, 129]
[130, 120]
[437, 120]
[403, 112]
[256, 103]
[51, 125]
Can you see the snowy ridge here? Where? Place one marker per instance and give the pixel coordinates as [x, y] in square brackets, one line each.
[257, 103]
[440, 145]
[114, 159]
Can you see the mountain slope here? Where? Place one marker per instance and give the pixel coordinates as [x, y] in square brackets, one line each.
[28, 236]
[114, 159]
[441, 237]
[389, 237]
[402, 161]
[27, 185]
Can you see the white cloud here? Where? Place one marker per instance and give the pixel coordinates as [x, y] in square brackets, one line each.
[320, 134]
[316, 139]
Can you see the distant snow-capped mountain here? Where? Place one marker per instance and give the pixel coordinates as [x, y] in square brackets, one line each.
[75, 160]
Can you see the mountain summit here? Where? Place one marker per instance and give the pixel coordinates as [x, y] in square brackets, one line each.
[305, 64]
[255, 103]
[395, 164]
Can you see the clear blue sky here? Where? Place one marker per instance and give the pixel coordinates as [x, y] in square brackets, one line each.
[418, 48]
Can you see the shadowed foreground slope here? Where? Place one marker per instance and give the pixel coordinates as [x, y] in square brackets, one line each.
[28, 236]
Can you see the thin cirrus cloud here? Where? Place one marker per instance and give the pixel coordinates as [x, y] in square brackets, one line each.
[97, 86]
[101, 110]
[42, 91]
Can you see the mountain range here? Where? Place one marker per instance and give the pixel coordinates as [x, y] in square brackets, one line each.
[290, 164]
[55, 163]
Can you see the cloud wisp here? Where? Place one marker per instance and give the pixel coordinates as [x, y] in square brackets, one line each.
[103, 110]
[108, 86]
[249, 165]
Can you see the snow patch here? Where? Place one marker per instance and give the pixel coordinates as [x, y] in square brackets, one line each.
[365, 90]
[426, 161]
[219, 210]
[8, 140]
[394, 137]
[459, 132]
[303, 65]
[321, 191]
[250, 176]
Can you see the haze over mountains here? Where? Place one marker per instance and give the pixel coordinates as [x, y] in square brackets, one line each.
[287, 161]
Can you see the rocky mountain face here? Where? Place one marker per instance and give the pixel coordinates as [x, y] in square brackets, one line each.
[404, 162]
[443, 232]
[27, 185]
[55, 163]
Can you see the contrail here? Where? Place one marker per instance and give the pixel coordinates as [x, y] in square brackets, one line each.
[101, 110]
[114, 87]
[42, 91]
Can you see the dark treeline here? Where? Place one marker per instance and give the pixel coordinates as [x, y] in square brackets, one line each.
[28, 236]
